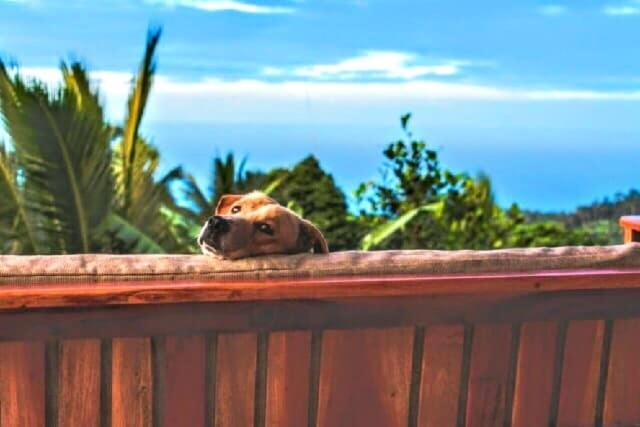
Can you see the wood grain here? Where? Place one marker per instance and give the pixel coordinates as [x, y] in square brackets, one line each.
[196, 318]
[288, 362]
[132, 382]
[79, 383]
[534, 374]
[164, 292]
[235, 380]
[22, 380]
[183, 397]
[488, 375]
[622, 399]
[441, 369]
[365, 377]
[580, 373]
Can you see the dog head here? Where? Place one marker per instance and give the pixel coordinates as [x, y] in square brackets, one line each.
[245, 226]
[239, 204]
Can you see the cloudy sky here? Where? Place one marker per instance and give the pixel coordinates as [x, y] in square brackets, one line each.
[542, 96]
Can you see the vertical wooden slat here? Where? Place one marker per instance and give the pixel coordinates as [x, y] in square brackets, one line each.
[535, 374]
[441, 369]
[416, 376]
[314, 377]
[79, 383]
[260, 394]
[106, 367]
[488, 375]
[183, 400]
[132, 382]
[22, 379]
[289, 356]
[622, 399]
[235, 380]
[365, 377]
[210, 356]
[51, 364]
[580, 373]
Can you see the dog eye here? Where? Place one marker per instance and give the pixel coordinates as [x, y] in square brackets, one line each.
[265, 228]
[235, 209]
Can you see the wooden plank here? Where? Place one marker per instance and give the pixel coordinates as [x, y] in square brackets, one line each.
[289, 356]
[22, 379]
[183, 397]
[51, 295]
[79, 383]
[441, 369]
[235, 380]
[622, 399]
[365, 377]
[197, 318]
[534, 374]
[580, 373]
[132, 382]
[22, 384]
[488, 375]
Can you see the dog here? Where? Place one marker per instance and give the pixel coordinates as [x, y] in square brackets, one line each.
[254, 224]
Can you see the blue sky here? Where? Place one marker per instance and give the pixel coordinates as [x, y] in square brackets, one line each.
[542, 96]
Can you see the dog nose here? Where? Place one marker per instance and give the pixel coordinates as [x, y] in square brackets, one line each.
[218, 224]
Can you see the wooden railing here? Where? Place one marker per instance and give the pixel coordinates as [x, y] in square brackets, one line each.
[523, 349]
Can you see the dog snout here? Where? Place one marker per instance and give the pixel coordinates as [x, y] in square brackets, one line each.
[218, 224]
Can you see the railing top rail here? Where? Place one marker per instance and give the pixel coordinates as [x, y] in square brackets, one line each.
[88, 294]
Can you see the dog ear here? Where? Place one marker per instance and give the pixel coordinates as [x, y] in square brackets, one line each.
[225, 202]
[309, 237]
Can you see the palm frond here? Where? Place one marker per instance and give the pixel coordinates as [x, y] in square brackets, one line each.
[128, 150]
[64, 155]
[76, 80]
[198, 202]
[386, 230]
[134, 239]
[274, 185]
[16, 222]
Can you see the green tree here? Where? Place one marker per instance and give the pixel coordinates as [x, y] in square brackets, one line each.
[313, 193]
[62, 154]
[419, 204]
[553, 233]
[142, 202]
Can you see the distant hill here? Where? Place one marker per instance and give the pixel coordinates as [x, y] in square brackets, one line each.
[600, 218]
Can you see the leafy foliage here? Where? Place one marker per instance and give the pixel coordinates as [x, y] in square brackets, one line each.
[413, 183]
[553, 233]
[313, 193]
[66, 190]
[63, 153]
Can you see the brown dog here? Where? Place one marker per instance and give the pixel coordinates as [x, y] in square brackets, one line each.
[255, 224]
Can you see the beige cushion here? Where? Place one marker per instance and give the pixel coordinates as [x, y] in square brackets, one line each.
[92, 268]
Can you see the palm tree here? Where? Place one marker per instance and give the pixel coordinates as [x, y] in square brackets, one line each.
[67, 190]
[141, 200]
[63, 158]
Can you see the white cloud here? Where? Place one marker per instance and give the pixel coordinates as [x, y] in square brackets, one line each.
[553, 10]
[214, 99]
[624, 9]
[23, 2]
[224, 6]
[372, 64]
